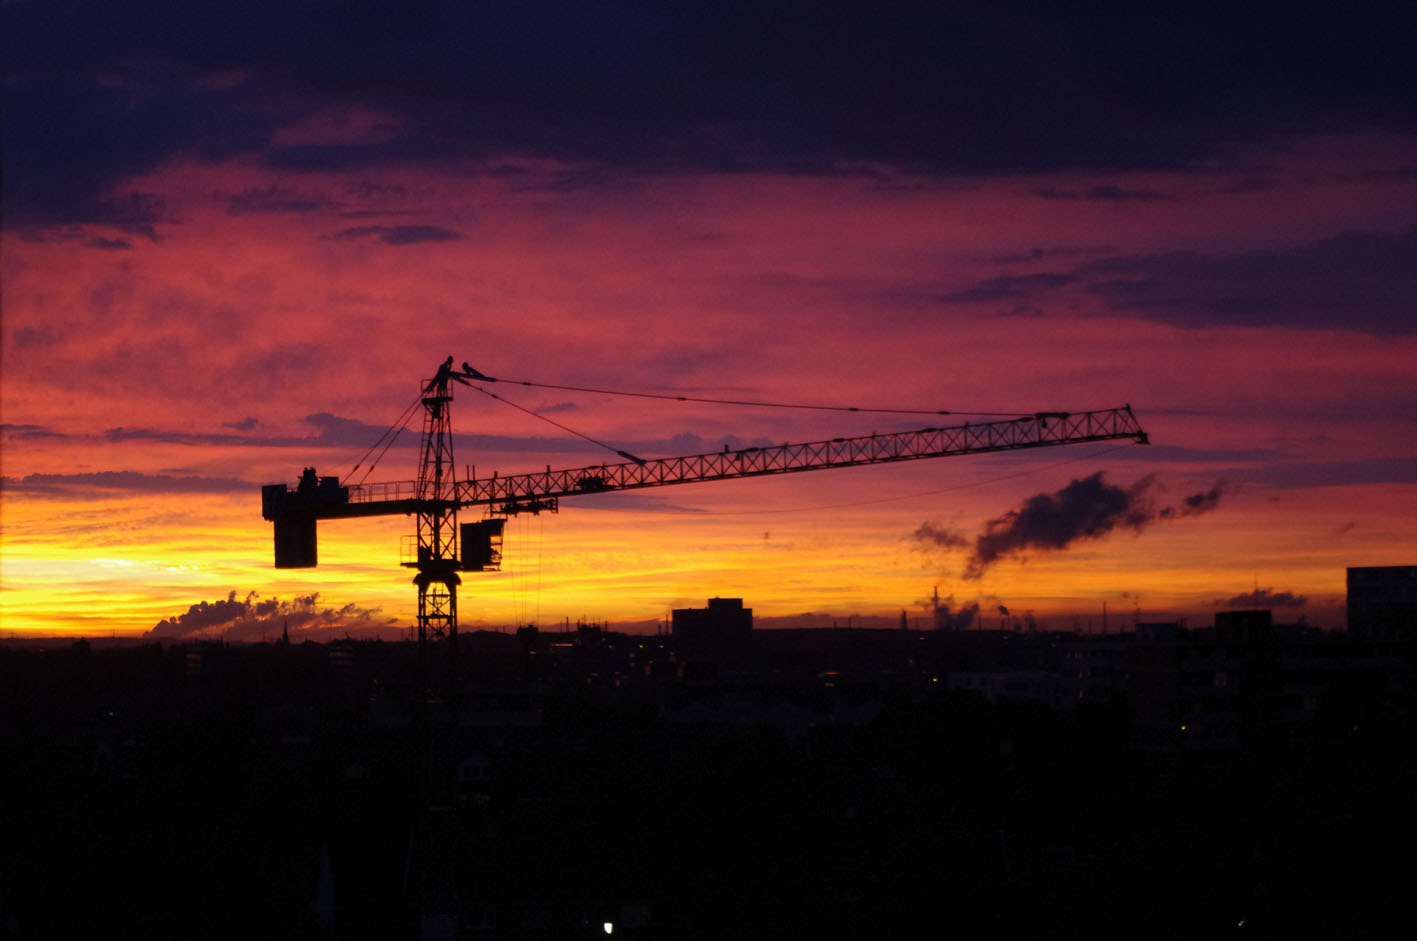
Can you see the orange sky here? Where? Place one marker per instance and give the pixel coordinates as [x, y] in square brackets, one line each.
[147, 361]
[1254, 308]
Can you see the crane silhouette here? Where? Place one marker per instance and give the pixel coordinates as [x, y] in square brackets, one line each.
[441, 548]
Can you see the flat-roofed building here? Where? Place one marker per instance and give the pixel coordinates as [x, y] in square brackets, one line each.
[724, 628]
[1382, 602]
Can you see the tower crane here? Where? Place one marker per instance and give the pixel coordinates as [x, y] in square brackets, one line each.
[441, 548]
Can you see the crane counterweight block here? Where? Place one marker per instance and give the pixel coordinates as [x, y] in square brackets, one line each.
[294, 513]
[481, 544]
[295, 543]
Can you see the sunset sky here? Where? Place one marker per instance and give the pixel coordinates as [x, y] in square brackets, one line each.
[237, 237]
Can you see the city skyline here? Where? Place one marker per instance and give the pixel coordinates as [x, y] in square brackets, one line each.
[236, 242]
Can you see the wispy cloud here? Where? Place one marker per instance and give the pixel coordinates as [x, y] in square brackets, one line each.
[398, 234]
[1356, 281]
[1106, 193]
[937, 535]
[1360, 280]
[1301, 475]
[276, 199]
[101, 484]
[1011, 287]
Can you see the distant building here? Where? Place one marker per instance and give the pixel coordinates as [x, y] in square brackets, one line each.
[1215, 689]
[723, 629]
[1153, 670]
[1093, 670]
[1245, 684]
[1382, 603]
[1039, 686]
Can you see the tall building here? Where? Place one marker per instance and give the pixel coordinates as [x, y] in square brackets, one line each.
[1382, 602]
[723, 629]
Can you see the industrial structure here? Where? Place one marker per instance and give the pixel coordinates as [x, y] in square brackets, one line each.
[441, 548]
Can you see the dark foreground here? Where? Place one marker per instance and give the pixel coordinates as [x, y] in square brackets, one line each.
[309, 791]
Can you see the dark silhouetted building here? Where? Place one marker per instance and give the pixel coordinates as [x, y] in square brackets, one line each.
[723, 629]
[1245, 684]
[1093, 670]
[1382, 602]
[1209, 689]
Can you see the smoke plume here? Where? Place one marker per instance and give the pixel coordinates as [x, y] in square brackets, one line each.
[936, 535]
[1264, 598]
[947, 619]
[1198, 503]
[250, 619]
[1087, 508]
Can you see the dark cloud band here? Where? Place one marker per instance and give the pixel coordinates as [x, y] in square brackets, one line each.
[97, 93]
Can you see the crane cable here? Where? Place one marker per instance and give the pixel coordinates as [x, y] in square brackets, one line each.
[550, 421]
[743, 402]
[375, 463]
[519, 575]
[526, 592]
[540, 545]
[391, 433]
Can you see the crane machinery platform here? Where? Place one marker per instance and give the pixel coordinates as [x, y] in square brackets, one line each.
[441, 548]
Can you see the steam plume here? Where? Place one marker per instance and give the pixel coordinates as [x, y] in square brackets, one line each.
[250, 619]
[932, 534]
[1265, 598]
[947, 619]
[1198, 503]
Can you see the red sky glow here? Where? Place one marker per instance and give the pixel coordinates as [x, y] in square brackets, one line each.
[211, 306]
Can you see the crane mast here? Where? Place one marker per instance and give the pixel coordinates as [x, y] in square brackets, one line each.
[441, 548]
[436, 556]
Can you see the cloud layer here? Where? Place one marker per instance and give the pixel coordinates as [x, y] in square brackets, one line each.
[823, 88]
[1361, 281]
[101, 484]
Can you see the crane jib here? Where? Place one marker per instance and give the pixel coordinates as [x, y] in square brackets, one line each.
[1042, 430]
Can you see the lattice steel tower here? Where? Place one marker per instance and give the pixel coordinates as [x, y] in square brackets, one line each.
[436, 557]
